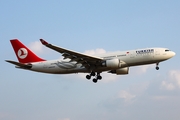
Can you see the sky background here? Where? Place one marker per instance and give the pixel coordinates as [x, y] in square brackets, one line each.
[93, 26]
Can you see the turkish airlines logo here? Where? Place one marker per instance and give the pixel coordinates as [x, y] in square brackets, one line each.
[22, 53]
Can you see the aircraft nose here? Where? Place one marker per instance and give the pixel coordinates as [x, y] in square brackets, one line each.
[173, 53]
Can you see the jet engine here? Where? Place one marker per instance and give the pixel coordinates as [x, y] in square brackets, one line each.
[121, 71]
[113, 63]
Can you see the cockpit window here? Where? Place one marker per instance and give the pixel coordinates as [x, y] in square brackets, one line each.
[167, 50]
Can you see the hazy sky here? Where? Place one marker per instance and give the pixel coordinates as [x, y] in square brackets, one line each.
[92, 26]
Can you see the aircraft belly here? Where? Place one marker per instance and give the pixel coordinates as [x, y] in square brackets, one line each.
[54, 69]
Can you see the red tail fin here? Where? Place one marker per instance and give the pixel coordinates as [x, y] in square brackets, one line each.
[23, 54]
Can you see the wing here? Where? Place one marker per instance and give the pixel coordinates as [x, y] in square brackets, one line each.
[86, 60]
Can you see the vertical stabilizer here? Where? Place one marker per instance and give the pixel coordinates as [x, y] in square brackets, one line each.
[23, 54]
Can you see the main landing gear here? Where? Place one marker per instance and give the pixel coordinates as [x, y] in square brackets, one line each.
[157, 66]
[97, 77]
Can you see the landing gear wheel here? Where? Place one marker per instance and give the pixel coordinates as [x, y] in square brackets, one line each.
[157, 68]
[95, 80]
[99, 77]
[88, 77]
[93, 74]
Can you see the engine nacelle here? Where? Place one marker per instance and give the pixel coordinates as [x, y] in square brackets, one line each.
[113, 63]
[121, 71]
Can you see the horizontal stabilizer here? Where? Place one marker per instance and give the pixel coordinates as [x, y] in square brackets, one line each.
[21, 65]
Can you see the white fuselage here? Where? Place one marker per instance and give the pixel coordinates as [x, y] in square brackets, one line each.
[129, 58]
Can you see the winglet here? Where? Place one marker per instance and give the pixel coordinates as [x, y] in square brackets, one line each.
[44, 42]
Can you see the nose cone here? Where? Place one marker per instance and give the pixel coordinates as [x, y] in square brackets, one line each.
[173, 54]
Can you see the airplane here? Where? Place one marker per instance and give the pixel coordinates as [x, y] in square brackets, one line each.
[74, 62]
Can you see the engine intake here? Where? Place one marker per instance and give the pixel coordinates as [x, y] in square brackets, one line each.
[113, 63]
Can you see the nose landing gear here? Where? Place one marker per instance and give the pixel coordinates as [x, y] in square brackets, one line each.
[157, 66]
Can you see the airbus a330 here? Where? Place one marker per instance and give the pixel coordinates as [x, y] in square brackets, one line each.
[74, 62]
